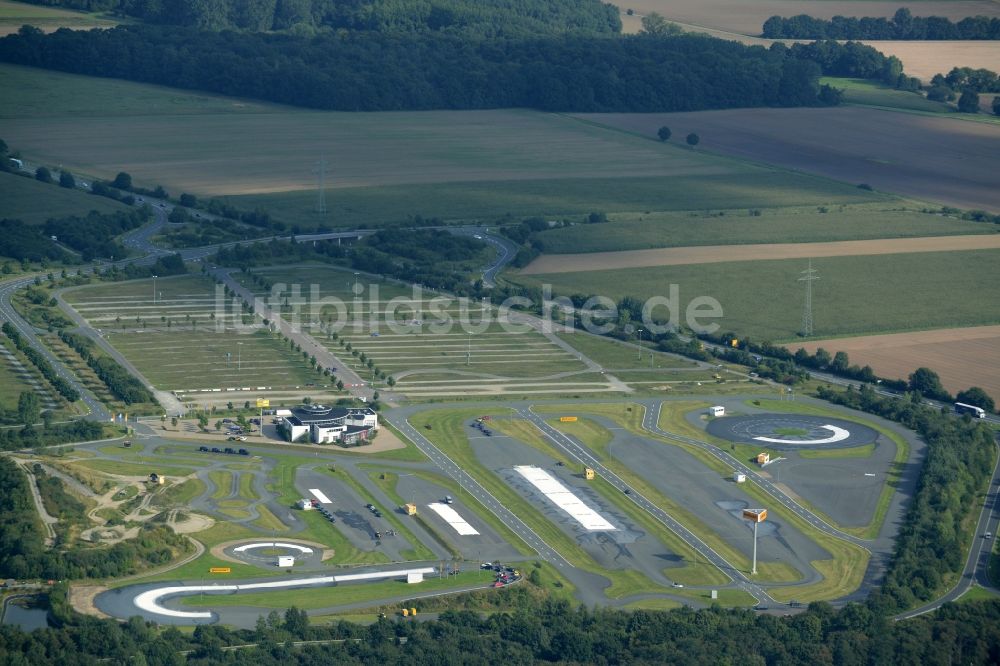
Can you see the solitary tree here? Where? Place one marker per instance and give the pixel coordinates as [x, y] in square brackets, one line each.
[67, 180]
[655, 24]
[976, 396]
[692, 139]
[43, 174]
[27, 408]
[926, 382]
[664, 133]
[123, 181]
[969, 102]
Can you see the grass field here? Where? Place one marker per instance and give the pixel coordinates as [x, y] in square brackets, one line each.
[334, 595]
[185, 340]
[15, 14]
[638, 231]
[854, 295]
[18, 375]
[428, 344]
[20, 197]
[385, 167]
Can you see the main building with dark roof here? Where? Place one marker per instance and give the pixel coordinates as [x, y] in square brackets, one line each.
[321, 424]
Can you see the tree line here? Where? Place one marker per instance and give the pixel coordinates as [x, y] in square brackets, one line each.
[125, 386]
[903, 25]
[39, 361]
[480, 17]
[528, 631]
[380, 71]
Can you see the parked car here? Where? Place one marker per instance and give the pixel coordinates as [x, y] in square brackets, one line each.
[244, 452]
[203, 448]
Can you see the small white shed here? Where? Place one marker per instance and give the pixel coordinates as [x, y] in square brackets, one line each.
[717, 410]
[286, 561]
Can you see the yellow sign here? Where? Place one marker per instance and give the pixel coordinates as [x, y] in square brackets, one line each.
[220, 570]
[567, 419]
[263, 402]
[734, 342]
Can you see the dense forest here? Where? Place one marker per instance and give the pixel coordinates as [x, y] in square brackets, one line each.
[431, 257]
[379, 71]
[474, 17]
[903, 25]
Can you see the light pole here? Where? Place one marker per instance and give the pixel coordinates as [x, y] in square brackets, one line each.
[468, 353]
[640, 342]
[239, 356]
[154, 288]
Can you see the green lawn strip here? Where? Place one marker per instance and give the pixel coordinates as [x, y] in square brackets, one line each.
[978, 593]
[268, 521]
[591, 433]
[238, 514]
[654, 604]
[120, 450]
[902, 454]
[318, 528]
[419, 550]
[181, 494]
[865, 451]
[132, 469]
[842, 574]
[223, 482]
[469, 501]
[448, 431]
[246, 487]
[697, 571]
[335, 595]
[614, 354]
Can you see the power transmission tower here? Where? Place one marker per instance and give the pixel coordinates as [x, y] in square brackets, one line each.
[320, 172]
[808, 276]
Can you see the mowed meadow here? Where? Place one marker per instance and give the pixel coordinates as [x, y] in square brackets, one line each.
[855, 294]
[383, 167]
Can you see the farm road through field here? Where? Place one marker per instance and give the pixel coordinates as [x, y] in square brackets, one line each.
[676, 256]
[944, 160]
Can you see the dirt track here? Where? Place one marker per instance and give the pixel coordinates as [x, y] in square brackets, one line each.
[962, 357]
[928, 158]
[710, 254]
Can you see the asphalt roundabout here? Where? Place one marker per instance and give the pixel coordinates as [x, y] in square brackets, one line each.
[792, 432]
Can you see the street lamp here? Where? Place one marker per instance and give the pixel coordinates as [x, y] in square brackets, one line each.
[239, 355]
[639, 332]
[154, 288]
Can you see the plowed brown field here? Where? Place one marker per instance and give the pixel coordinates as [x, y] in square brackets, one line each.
[962, 357]
[710, 254]
[927, 158]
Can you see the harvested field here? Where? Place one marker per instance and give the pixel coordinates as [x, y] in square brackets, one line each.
[602, 261]
[887, 150]
[962, 357]
[747, 18]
